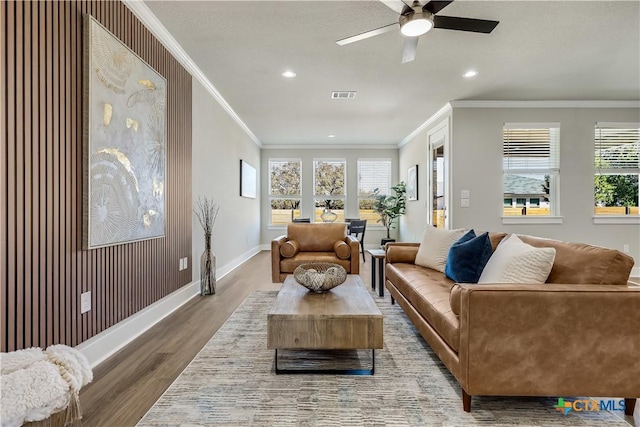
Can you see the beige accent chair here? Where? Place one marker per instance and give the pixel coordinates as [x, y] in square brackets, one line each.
[322, 242]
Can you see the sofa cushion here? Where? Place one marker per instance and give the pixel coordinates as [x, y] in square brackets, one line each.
[467, 257]
[517, 262]
[580, 263]
[288, 265]
[342, 250]
[317, 237]
[428, 291]
[289, 249]
[434, 247]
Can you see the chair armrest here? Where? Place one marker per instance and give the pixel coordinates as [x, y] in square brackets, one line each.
[275, 257]
[354, 245]
[401, 252]
[555, 339]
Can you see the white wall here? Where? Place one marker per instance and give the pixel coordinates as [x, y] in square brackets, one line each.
[476, 165]
[218, 145]
[374, 232]
[416, 152]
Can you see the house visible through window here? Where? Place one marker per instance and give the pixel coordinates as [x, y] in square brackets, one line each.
[372, 174]
[531, 169]
[285, 184]
[617, 167]
[329, 189]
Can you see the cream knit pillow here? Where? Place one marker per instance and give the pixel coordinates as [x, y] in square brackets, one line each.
[517, 262]
[435, 245]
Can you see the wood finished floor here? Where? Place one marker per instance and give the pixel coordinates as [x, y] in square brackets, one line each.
[127, 384]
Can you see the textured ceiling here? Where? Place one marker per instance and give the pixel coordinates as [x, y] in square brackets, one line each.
[555, 50]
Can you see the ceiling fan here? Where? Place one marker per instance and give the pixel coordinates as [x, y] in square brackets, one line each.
[417, 19]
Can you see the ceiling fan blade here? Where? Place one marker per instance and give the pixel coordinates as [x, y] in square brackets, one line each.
[397, 6]
[464, 24]
[409, 49]
[368, 34]
[436, 6]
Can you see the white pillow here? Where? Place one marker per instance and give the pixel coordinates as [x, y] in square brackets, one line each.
[435, 245]
[517, 262]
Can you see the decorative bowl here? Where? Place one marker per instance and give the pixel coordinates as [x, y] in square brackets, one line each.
[320, 276]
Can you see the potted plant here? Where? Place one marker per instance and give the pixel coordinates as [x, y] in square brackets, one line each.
[390, 207]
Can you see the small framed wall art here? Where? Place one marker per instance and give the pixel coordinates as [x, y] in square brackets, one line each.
[412, 183]
[248, 180]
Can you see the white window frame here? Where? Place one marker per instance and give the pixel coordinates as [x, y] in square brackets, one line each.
[554, 178]
[614, 219]
[387, 189]
[317, 197]
[282, 197]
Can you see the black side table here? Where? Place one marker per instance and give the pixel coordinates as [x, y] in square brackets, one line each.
[377, 254]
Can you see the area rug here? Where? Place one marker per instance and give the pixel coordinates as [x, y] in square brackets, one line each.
[232, 382]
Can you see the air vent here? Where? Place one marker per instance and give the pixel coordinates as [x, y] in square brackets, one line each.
[344, 94]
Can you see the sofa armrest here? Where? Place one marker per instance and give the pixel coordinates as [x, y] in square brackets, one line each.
[556, 339]
[401, 252]
[354, 245]
[275, 257]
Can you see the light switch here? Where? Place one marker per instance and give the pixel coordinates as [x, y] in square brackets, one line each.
[464, 194]
[186, 262]
[464, 203]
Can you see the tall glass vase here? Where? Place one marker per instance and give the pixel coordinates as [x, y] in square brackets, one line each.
[207, 268]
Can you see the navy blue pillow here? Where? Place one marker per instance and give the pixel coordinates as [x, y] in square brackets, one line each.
[467, 257]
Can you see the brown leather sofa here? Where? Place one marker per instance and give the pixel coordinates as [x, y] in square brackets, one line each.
[322, 242]
[576, 335]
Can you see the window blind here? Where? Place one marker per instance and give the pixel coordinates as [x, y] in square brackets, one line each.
[617, 148]
[534, 149]
[373, 174]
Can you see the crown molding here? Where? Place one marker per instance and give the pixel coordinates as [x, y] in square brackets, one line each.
[327, 147]
[446, 109]
[146, 16]
[545, 104]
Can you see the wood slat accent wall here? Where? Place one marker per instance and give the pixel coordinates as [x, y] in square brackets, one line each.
[43, 267]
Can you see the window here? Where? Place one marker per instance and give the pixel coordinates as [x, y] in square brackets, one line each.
[507, 203]
[617, 167]
[285, 183]
[329, 189]
[531, 169]
[372, 174]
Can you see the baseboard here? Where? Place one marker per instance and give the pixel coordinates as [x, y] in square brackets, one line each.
[102, 346]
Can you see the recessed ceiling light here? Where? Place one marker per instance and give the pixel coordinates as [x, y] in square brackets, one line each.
[288, 74]
[331, 136]
[469, 74]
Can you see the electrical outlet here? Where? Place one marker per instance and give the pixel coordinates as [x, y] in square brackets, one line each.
[464, 203]
[626, 249]
[85, 302]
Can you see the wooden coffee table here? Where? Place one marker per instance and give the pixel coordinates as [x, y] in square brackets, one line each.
[346, 317]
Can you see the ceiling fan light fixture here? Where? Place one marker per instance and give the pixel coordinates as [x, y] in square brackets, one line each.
[416, 24]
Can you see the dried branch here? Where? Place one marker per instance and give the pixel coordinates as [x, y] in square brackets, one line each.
[206, 211]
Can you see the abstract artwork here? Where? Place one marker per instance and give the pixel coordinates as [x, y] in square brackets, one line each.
[124, 146]
[412, 183]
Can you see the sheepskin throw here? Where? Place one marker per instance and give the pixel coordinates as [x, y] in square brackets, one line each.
[37, 383]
